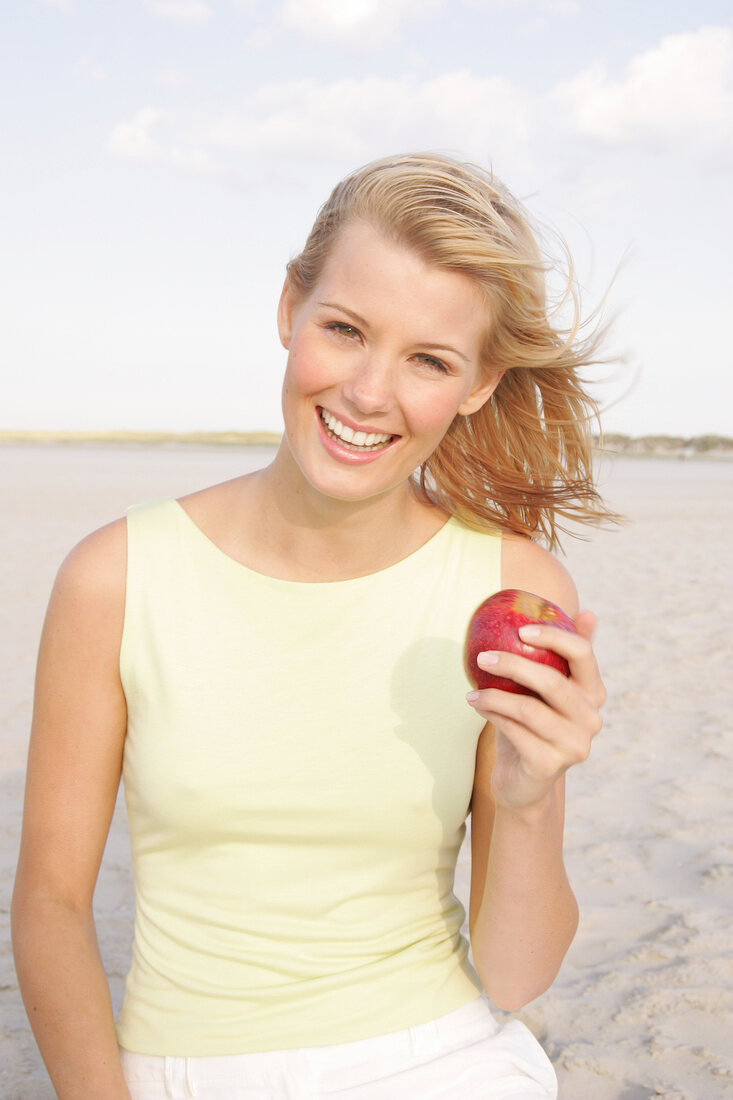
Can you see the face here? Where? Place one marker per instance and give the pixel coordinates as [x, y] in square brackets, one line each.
[383, 353]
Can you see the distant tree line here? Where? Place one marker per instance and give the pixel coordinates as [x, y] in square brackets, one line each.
[665, 444]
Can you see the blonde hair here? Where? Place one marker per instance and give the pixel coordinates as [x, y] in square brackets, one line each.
[525, 458]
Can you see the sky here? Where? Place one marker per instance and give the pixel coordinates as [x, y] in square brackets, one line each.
[163, 159]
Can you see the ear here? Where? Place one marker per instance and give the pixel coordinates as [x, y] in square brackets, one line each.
[285, 314]
[481, 394]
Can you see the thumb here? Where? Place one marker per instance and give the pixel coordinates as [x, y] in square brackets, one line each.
[585, 624]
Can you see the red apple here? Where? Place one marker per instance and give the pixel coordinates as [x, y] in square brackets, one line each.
[495, 625]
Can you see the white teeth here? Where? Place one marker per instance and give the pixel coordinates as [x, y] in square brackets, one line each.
[347, 435]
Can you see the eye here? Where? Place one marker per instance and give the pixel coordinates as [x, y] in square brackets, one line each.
[342, 329]
[433, 363]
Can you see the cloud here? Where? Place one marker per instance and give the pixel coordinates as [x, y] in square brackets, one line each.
[154, 134]
[193, 12]
[369, 23]
[359, 22]
[679, 92]
[357, 119]
[135, 140]
[281, 128]
[676, 97]
[562, 8]
[62, 5]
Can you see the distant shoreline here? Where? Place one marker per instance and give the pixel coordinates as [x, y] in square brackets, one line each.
[614, 443]
[666, 446]
[115, 437]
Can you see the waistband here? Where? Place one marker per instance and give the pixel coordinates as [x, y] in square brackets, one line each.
[372, 1063]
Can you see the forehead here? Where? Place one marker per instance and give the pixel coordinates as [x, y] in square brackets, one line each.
[366, 263]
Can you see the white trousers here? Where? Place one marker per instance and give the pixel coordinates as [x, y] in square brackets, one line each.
[462, 1056]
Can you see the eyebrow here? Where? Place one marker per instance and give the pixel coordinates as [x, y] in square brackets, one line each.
[350, 312]
[362, 321]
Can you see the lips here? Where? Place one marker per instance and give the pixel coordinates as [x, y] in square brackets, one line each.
[353, 440]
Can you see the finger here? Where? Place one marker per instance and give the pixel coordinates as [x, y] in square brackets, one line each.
[570, 731]
[550, 755]
[523, 671]
[585, 624]
[575, 648]
[565, 695]
[565, 642]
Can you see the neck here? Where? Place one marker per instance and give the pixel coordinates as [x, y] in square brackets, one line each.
[324, 538]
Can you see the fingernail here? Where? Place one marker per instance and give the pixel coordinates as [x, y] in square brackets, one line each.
[472, 696]
[529, 631]
[486, 659]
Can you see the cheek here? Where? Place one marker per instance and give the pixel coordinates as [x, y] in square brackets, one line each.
[433, 414]
[307, 370]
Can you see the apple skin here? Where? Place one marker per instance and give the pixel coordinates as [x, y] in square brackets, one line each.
[495, 625]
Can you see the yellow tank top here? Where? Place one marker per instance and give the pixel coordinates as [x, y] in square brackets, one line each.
[298, 768]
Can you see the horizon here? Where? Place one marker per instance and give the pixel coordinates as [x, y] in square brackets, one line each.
[264, 438]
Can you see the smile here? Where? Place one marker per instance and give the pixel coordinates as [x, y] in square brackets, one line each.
[347, 437]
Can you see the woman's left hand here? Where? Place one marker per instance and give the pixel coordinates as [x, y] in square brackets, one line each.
[538, 739]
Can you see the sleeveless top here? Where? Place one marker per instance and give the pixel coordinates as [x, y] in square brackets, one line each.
[298, 768]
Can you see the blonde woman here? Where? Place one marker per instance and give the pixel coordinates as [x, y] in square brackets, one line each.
[274, 666]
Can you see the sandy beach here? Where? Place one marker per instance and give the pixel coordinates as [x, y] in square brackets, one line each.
[644, 1004]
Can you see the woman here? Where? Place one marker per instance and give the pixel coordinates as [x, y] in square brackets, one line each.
[274, 664]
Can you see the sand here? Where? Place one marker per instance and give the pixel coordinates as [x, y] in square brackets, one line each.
[643, 1006]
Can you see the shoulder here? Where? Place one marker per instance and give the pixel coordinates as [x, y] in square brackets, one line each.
[98, 557]
[527, 565]
[82, 632]
[91, 579]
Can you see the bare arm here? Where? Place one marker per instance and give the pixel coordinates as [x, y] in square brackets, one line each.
[523, 914]
[74, 766]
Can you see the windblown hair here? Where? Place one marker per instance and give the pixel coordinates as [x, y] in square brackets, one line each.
[525, 458]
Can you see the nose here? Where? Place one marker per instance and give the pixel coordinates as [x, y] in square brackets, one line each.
[369, 387]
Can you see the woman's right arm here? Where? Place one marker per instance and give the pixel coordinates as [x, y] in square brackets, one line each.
[74, 766]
